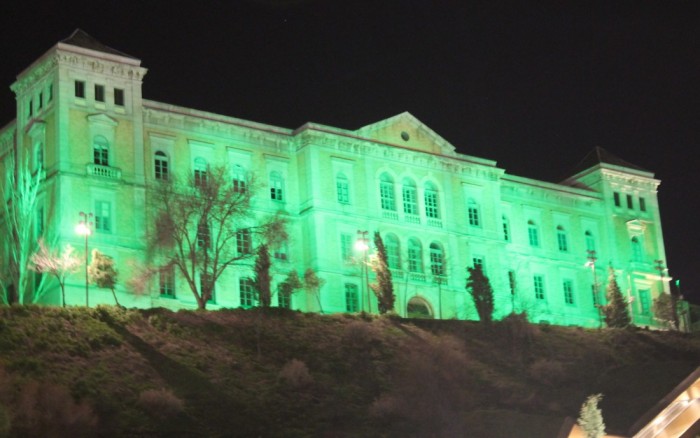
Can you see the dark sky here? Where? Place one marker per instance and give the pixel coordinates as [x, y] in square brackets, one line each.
[532, 85]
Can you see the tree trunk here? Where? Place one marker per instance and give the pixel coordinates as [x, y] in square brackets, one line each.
[114, 294]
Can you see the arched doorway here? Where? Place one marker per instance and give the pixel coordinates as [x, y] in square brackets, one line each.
[419, 308]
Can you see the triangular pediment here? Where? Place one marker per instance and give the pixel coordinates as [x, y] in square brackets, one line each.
[407, 131]
[101, 119]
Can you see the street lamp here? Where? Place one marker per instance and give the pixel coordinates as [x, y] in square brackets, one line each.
[84, 228]
[596, 301]
[362, 244]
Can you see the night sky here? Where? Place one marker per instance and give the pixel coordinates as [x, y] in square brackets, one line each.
[534, 86]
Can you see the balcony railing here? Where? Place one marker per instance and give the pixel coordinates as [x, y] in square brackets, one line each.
[435, 222]
[412, 218]
[104, 171]
[388, 214]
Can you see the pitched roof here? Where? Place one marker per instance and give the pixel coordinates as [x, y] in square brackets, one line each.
[80, 38]
[599, 156]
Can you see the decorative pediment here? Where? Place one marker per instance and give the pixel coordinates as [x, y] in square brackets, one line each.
[407, 131]
[635, 227]
[101, 119]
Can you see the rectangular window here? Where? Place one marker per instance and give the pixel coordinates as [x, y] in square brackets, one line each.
[511, 282]
[431, 205]
[642, 204]
[41, 100]
[473, 212]
[630, 203]
[284, 299]
[478, 261]
[644, 301]
[166, 282]
[49, 97]
[99, 93]
[410, 206]
[568, 287]
[346, 246]
[506, 230]
[247, 292]
[562, 241]
[80, 89]
[616, 197]
[203, 235]
[539, 287]
[103, 217]
[533, 236]
[351, 298]
[243, 243]
[30, 108]
[118, 97]
[386, 195]
[343, 188]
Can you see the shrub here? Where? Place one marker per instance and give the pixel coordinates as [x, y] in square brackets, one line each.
[48, 410]
[161, 403]
[4, 422]
[296, 373]
[548, 372]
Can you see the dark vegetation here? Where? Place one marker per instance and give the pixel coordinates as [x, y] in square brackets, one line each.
[271, 372]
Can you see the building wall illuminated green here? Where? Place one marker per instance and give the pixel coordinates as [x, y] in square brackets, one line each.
[438, 211]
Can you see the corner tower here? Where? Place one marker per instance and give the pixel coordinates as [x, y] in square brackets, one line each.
[634, 236]
[80, 120]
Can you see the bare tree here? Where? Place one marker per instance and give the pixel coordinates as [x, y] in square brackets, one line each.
[20, 194]
[201, 228]
[313, 284]
[103, 273]
[58, 265]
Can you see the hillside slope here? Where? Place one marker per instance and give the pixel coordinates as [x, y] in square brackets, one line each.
[277, 373]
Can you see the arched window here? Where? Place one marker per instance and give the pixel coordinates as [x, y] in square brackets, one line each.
[200, 171]
[473, 212]
[637, 254]
[276, 187]
[415, 256]
[408, 195]
[393, 254]
[437, 259]
[430, 196]
[562, 241]
[533, 233]
[342, 187]
[239, 180]
[100, 150]
[160, 165]
[418, 308]
[506, 228]
[386, 192]
[590, 241]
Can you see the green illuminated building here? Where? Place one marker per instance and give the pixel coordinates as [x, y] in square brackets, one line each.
[82, 119]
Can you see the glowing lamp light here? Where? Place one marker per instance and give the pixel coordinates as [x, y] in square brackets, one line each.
[82, 229]
[361, 245]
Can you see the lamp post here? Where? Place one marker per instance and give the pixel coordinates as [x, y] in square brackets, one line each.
[596, 299]
[362, 244]
[84, 228]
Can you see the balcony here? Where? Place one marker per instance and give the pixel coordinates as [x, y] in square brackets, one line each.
[388, 214]
[412, 218]
[417, 276]
[101, 171]
[435, 222]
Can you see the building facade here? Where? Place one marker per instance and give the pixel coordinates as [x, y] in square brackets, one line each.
[81, 118]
